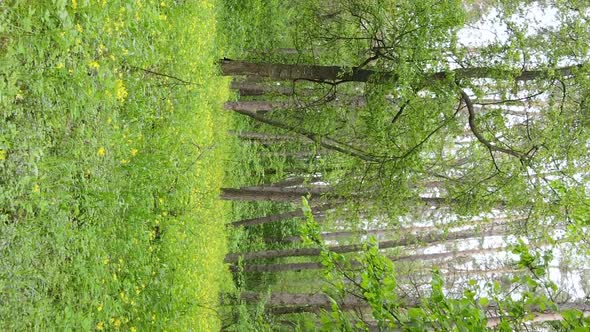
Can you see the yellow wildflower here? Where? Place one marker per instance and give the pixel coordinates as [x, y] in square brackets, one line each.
[94, 65]
[99, 308]
[100, 326]
[2, 154]
[133, 329]
[124, 161]
[79, 28]
[117, 323]
[74, 4]
[120, 90]
[101, 152]
[19, 95]
[134, 152]
[59, 65]
[36, 188]
[106, 261]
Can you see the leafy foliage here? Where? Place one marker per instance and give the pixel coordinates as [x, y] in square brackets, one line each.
[374, 281]
[109, 165]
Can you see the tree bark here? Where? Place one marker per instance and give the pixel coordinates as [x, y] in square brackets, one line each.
[349, 102]
[257, 106]
[355, 74]
[408, 239]
[292, 72]
[276, 194]
[254, 136]
[280, 267]
[317, 210]
[256, 89]
[547, 316]
[289, 303]
[323, 141]
[383, 233]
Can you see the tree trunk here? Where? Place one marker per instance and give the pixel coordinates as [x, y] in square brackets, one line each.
[286, 303]
[257, 89]
[316, 266]
[291, 72]
[263, 106]
[317, 73]
[547, 316]
[317, 210]
[254, 136]
[406, 240]
[277, 194]
[257, 106]
[384, 233]
[325, 142]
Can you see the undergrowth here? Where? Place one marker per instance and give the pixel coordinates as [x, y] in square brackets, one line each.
[110, 164]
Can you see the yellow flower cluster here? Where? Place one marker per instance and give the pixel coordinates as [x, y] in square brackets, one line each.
[120, 90]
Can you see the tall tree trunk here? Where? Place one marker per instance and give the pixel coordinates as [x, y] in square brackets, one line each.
[325, 142]
[355, 74]
[289, 303]
[291, 72]
[281, 267]
[284, 303]
[317, 210]
[259, 89]
[263, 106]
[408, 239]
[257, 106]
[272, 193]
[384, 233]
[547, 316]
[254, 136]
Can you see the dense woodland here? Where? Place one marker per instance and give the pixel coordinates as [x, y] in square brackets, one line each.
[429, 181]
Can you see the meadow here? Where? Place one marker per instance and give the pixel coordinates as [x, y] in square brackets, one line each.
[112, 152]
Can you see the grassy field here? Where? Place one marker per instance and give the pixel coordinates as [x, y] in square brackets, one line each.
[110, 164]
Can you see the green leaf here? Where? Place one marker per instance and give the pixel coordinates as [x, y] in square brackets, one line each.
[483, 301]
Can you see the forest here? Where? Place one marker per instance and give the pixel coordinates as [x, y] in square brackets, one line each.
[300, 165]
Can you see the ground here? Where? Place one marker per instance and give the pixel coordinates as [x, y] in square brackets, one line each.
[110, 165]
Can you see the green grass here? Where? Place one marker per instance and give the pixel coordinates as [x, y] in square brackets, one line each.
[109, 169]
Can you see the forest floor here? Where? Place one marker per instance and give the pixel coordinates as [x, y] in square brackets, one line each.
[112, 152]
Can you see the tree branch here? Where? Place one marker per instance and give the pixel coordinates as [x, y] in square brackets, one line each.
[479, 136]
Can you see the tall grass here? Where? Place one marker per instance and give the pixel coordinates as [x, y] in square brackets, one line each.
[110, 164]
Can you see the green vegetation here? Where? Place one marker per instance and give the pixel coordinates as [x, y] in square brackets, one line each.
[110, 164]
[132, 198]
[378, 109]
